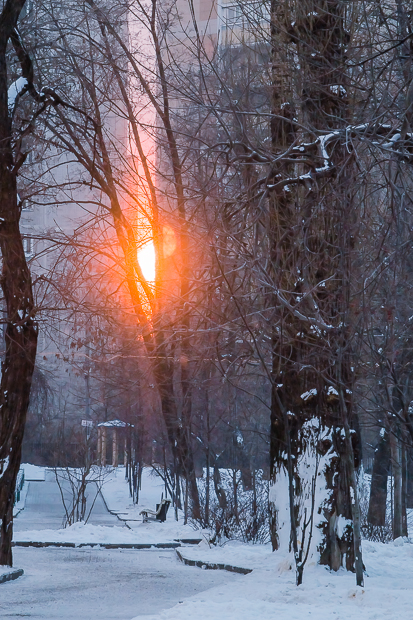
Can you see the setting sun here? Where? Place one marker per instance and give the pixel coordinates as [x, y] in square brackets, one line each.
[146, 258]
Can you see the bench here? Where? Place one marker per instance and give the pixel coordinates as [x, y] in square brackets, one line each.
[158, 515]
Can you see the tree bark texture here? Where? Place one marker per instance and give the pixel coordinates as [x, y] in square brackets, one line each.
[399, 506]
[311, 235]
[376, 515]
[21, 329]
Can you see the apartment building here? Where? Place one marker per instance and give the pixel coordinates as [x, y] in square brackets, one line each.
[57, 203]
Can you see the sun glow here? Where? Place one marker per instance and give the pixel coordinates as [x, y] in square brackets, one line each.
[146, 259]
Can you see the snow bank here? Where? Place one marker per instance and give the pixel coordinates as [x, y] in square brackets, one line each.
[130, 528]
[81, 533]
[115, 491]
[33, 472]
[9, 574]
[270, 593]
[234, 552]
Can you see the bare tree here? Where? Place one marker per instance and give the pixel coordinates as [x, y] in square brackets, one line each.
[19, 310]
[278, 161]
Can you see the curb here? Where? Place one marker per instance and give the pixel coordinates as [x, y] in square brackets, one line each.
[188, 541]
[213, 566]
[30, 543]
[20, 543]
[14, 573]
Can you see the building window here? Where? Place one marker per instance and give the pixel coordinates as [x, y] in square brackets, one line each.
[241, 15]
[28, 246]
[232, 17]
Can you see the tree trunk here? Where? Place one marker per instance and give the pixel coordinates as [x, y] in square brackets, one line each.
[21, 329]
[219, 490]
[311, 252]
[399, 518]
[409, 478]
[376, 515]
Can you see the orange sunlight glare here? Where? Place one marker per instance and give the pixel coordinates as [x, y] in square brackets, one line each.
[146, 258]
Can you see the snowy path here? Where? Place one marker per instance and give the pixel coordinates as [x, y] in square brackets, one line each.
[93, 583]
[44, 508]
[86, 583]
[98, 584]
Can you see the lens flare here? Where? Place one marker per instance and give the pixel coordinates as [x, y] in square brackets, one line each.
[146, 258]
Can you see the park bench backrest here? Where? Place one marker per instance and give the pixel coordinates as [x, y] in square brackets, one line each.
[162, 509]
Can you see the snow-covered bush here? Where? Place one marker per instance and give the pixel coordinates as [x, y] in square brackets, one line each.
[240, 513]
[79, 488]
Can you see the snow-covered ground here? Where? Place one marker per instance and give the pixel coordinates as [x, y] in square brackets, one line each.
[34, 472]
[80, 533]
[44, 506]
[100, 584]
[117, 498]
[44, 510]
[268, 593]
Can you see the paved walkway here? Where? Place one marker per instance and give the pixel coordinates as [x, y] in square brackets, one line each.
[92, 583]
[100, 584]
[44, 507]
